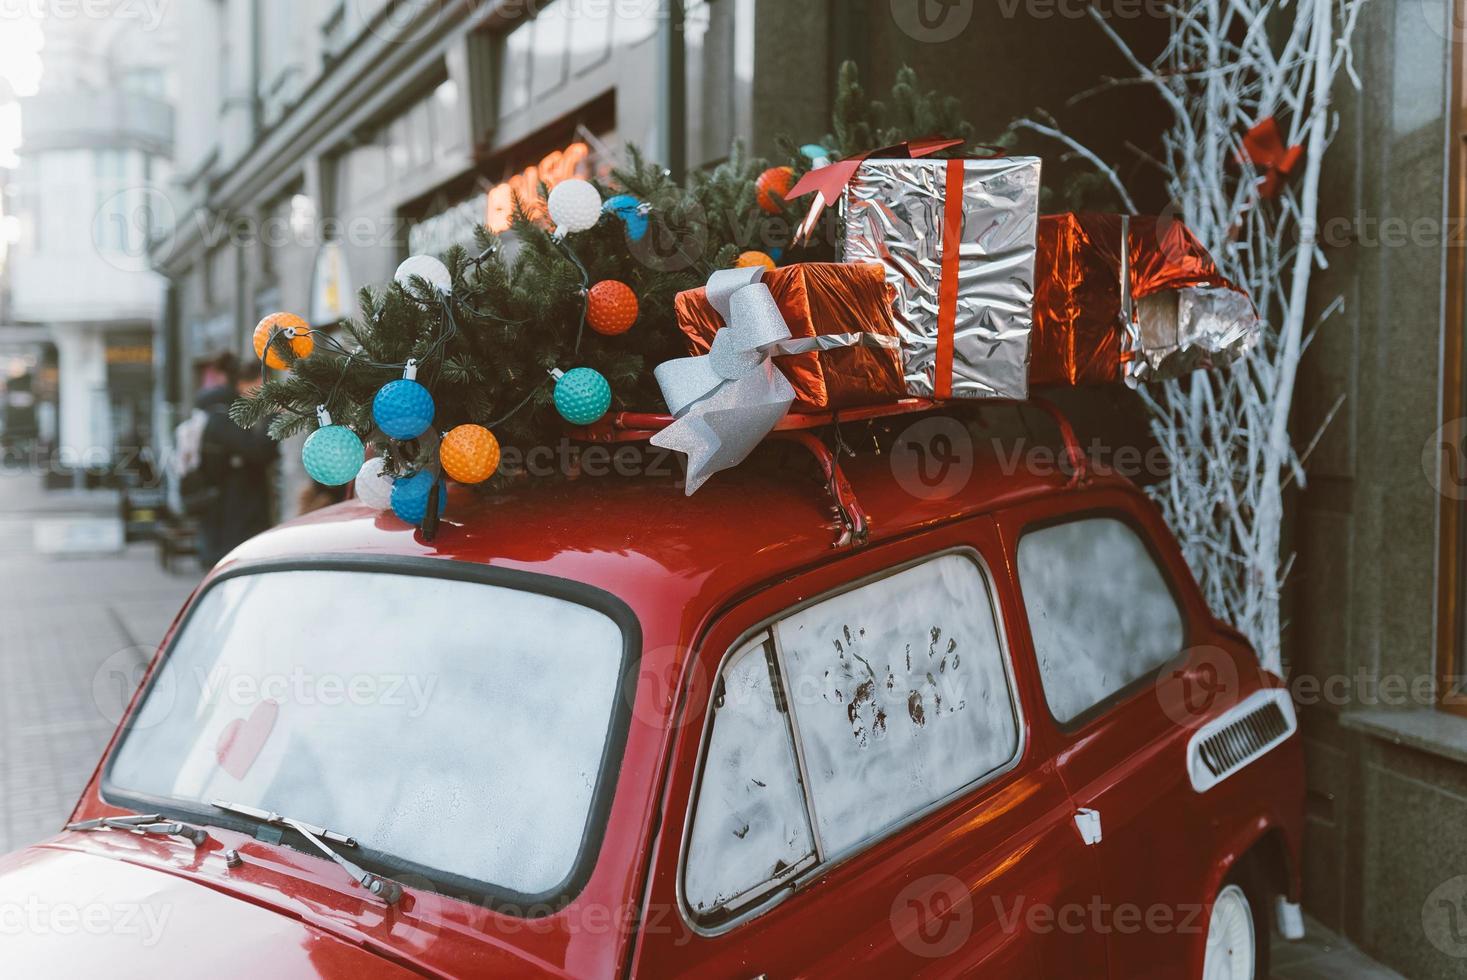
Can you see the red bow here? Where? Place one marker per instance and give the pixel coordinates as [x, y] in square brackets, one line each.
[1264, 145]
[830, 181]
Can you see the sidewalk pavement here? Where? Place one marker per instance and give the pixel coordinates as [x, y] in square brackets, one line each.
[1322, 955]
[75, 633]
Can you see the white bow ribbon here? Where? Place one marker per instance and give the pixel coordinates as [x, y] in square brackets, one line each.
[729, 399]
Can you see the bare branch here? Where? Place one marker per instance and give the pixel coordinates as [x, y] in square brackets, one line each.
[1080, 150]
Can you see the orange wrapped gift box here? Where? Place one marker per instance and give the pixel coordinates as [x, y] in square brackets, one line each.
[819, 299]
[1150, 309]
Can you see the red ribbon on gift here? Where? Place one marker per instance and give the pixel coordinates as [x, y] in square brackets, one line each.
[828, 182]
[947, 287]
[1264, 146]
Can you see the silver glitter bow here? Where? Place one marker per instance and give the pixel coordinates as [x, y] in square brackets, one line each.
[730, 398]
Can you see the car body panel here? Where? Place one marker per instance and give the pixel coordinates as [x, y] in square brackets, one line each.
[945, 894]
[1166, 848]
[695, 571]
[76, 913]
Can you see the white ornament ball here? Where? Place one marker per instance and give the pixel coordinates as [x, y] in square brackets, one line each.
[373, 485]
[574, 205]
[429, 268]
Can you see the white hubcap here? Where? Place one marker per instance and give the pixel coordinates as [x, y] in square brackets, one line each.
[1229, 937]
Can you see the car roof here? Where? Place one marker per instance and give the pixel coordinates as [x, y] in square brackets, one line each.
[629, 534]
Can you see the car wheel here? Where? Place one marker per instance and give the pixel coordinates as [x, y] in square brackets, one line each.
[1237, 933]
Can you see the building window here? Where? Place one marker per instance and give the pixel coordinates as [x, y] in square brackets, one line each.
[120, 221]
[514, 85]
[146, 80]
[1100, 611]
[565, 38]
[333, 32]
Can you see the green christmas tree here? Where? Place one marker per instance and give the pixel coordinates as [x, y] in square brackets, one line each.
[516, 309]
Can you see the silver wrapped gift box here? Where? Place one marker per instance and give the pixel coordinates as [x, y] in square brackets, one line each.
[964, 290]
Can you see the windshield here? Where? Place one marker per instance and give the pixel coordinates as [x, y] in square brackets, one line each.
[458, 726]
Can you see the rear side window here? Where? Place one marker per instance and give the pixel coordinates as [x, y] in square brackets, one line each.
[1100, 611]
[844, 721]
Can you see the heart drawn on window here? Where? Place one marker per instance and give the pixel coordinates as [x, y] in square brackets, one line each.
[242, 739]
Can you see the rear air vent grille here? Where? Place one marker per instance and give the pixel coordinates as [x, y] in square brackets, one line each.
[1244, 733]
[1234, 745]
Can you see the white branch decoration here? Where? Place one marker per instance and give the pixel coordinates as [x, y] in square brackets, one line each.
[1229, 65]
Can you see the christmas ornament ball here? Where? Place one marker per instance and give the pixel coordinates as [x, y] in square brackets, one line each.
[469, 454]
[628, 209]
[574, 205]
[611, 307]
[429, 268]
[772, 185]
[290, 326]
[374, 484]
[817, 155]
[332, 455]
[410, 496]
[582, 396]
[752, 258]
[403, 408]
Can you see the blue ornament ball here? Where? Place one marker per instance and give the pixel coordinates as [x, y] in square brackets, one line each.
[582, 396]
[410, 496]
[628, 209]
[403, 409]
[332, 455]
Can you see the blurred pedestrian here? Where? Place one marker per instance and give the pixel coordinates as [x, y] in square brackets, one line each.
[236, 464]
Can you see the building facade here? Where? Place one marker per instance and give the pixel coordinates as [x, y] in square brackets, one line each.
[1376, 641]
[97, 140]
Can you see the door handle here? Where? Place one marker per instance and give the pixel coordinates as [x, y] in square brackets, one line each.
[1087, 821]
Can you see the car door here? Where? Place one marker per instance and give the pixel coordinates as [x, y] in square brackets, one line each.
[1110, 613]
[855, 785]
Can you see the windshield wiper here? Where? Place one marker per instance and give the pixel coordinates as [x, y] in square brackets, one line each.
[145, 823]
[384, 888]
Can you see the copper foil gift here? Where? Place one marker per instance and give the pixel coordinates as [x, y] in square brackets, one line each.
[849, 304]
[1125, 298]
[957, 239]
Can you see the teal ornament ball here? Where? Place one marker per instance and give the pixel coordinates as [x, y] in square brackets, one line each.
[628, 209]
[818, 155]
[332, 455]
[410, 497]
[582, 396]
[403, 409]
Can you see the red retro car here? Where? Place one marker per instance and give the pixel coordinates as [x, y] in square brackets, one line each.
[597, 728]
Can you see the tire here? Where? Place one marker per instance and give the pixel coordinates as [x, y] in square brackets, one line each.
[1238, 929]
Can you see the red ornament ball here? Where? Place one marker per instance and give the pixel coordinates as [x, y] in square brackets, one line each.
[469, 454]
[772, 185]
[611, 307]
[751, 258]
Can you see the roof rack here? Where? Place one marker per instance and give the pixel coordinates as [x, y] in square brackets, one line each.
[799, 428]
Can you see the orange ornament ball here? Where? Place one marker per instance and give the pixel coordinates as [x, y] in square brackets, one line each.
[772, 185]
[469, 454]
[611, 307]
[296, 331]
[751, 258]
